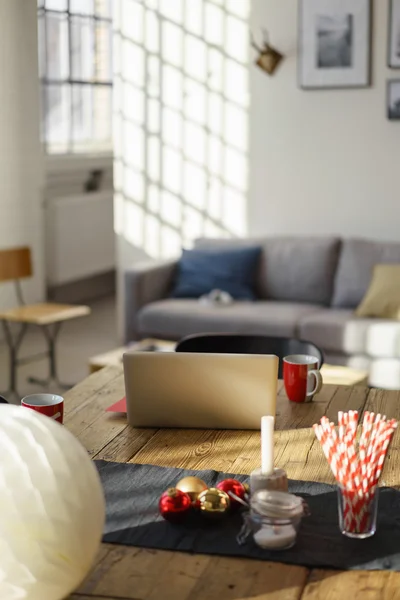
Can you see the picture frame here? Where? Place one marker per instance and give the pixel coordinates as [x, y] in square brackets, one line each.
[393, 99]
[334, 44]
[394, 35]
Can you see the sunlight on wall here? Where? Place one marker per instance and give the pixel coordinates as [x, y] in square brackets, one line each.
[181, 99]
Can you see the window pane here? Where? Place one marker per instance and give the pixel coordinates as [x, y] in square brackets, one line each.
[194, 16]
[82, 99]
[153, 116]
[172, 40]
[153, 76]
[82, 51]
[241, 9]
[42, 47]
[133, 103]
[172, 124]
[152, 31]
[172, 170]
[133, 63]
[172, 92]
[215, 75]
[236, 42]
[195, 58]
[103, 8]
[214, 29]
[82, 7]
[195, 101]
[57, 111]
[172, 9]
[103, 64]
[43, 99]
[57, 46]
[132, 15]
[56, 4]
[102, 109]
[75, 46]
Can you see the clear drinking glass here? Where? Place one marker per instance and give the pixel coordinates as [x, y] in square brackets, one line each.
[357, 513]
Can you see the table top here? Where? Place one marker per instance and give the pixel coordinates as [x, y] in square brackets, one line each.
[334, 374]
[114, 356]
[130, 573]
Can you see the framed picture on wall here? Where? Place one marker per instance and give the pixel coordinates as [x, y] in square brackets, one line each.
[394, 34]
[334, 43]
[393, 99]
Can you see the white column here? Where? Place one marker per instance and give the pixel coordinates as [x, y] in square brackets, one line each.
[21, 158]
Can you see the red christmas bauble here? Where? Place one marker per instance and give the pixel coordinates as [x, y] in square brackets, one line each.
[235, 486]
[174, 505]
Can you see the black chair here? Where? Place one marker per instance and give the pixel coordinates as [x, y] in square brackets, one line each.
[231, 343]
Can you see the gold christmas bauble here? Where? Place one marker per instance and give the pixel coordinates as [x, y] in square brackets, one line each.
[213, 502]
[192, 486]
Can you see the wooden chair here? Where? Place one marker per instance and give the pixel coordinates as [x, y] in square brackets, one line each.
[16, 264]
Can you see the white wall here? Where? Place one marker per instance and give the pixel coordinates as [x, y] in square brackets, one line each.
[21, 160]
[324, 161]
[180, 125]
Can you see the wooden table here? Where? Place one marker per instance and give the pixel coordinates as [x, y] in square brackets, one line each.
[129, 573]
[334, 374]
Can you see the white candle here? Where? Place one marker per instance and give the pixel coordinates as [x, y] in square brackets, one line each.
[267, 445]
[275, 538]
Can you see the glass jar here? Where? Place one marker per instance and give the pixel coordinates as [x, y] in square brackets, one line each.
[273, 519]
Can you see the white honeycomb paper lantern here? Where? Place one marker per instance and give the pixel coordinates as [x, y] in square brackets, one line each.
[52, 507]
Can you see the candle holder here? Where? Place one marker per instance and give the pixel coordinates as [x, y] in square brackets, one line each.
[275, 481]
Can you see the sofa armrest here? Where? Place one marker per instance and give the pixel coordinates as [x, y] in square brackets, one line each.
[144, 283]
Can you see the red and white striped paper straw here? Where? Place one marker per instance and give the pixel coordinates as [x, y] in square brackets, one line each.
[357, 468]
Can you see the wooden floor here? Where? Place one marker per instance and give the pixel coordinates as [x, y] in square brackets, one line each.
[129, 573]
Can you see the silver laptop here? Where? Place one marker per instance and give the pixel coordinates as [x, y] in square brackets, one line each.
[217, 391]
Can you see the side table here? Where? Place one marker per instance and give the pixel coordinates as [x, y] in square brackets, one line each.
[114, 357]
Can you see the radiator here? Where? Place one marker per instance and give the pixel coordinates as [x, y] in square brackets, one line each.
[79, 237]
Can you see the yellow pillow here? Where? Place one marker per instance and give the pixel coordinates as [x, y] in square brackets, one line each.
[383, 295]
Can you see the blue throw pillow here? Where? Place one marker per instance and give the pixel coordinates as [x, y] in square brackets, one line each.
[231, 270]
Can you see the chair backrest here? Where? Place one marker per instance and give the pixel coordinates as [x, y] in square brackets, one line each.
[228, 343]
[15, 264]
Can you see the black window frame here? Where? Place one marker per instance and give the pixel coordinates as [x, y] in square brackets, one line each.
[42, 11]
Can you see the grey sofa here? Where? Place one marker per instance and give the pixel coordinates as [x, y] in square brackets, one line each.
[307, 288]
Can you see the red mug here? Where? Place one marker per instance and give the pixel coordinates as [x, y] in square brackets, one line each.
[301, 377]
[50, 405]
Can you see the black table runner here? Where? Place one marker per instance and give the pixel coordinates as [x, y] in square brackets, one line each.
[132, 493]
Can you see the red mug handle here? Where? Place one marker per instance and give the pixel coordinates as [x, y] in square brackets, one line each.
[318, 382]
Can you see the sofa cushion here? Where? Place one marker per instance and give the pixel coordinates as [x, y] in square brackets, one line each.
[231, 270]
[339, 331]
[356, 262]
[383, 295]
[174, 319]
[292, 269]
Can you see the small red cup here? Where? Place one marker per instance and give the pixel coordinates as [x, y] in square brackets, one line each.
[301, 377]
[47, 404]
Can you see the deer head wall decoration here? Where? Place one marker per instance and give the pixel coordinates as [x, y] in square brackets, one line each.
[268, 57]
